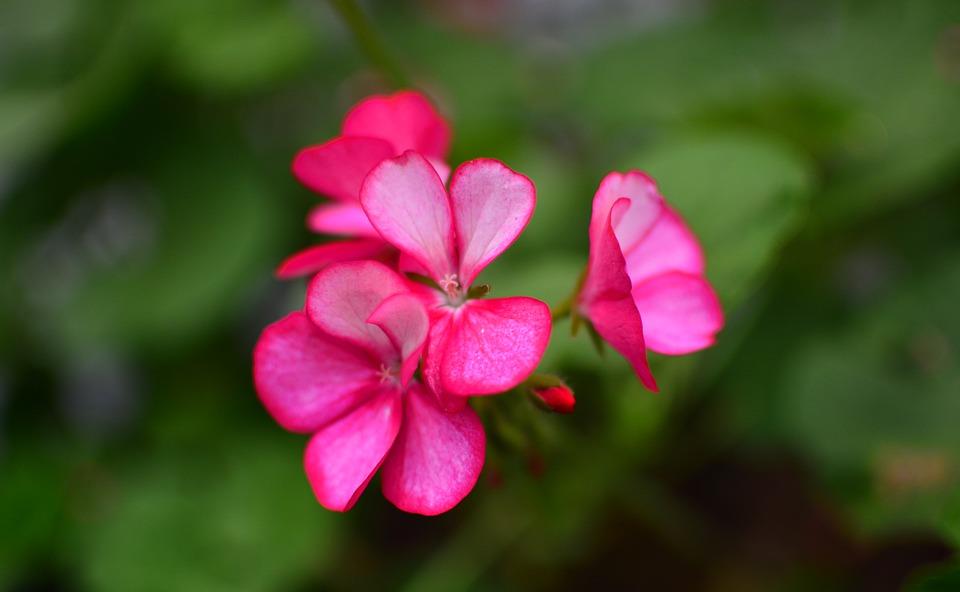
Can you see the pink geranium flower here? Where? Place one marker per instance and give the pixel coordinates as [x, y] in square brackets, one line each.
[645, 286]
[476, 346]
[343, 371]
[376, 128]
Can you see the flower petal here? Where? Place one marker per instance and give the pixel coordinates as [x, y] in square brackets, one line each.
[306, 379]
[681, 313]
[313, 259]
[407, 204]
[493, 345]
[405, 119]
[347, 219]
[607, 301]
[343, 457]
[404, 319]
[437, 457]
[342, 297]
[337, 169]
[440, 321]
[632, 223]
[491, 206]
[669, 246]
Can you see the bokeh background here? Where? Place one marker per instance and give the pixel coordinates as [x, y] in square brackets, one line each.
[145, 198]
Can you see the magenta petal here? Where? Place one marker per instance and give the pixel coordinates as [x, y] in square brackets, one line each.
[343, 457]
[493, 345]
[437, 457]
[681, 314]
[405, 119]
[440, 321]
[606, 299]
[491, 206]
[337, 169]
[347, 219]
[406, 202]
[313, 259]
[404, 319]
[304, 378]
[633, 222]
[342, 297]
[668, 246]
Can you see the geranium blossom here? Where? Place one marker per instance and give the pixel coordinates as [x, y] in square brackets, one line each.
[645, 286]
[343, 371]
[378, 127]
[476, 346]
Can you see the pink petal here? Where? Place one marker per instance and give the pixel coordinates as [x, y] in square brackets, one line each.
[437, 457]
[491, 206]
[337, 169]
[681, 313]
[668, 246]
[304, 378]
[404, 319]
[607, 301]
[347, 219]
[405, 119]
[633, 222]
[342, 297]
[313, 259]
[442, 168]
[493, 345]
[407, 204]
[343, 457]
[440, 320]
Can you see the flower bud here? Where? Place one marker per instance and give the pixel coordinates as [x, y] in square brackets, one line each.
[557, 398]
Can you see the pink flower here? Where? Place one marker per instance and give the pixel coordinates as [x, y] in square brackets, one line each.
[342, 370]
[645, 263]
[476, 346]
[376, 128]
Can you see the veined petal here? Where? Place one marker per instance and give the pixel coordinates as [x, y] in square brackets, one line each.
[306, 379]
[491, 206]
[342, 297]
[607, 301]
[406, 202]
[313, 259]
[347, 219]
[405, 119]
[404, 319]
[632, 223]
[441, 318]
[669, 246]
[681, 313]
[437, 457]
[337, 169]
[493, 345]
[343, 457]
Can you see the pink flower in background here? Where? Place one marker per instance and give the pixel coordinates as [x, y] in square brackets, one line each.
[645, 286]
[376, 128]
[476, 346]
[342, 370]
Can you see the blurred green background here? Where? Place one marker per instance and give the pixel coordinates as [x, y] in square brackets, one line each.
[145, 198]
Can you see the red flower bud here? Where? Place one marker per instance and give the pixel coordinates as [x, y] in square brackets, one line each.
[558, 398]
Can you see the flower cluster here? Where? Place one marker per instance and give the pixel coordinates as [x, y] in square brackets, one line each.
[394, 337]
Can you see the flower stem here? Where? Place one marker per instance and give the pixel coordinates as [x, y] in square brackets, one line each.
[370, 41]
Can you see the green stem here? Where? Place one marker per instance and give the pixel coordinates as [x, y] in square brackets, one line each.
[370, 41]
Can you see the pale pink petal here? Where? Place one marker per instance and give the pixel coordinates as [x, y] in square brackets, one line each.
[347, 219]
[405, 119]
[304, 378]
[633, 222]
[681, 313]
[442, 168]
[342, 297]
[343, 457]
[607, 301]
[491, 206]
[407, 204]
[437, 457]
[493, 345]
[404, 319]
[668, 246]
[337, 169]
[313, 259]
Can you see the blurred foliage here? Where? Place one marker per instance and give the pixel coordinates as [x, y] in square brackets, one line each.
[145, 197]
